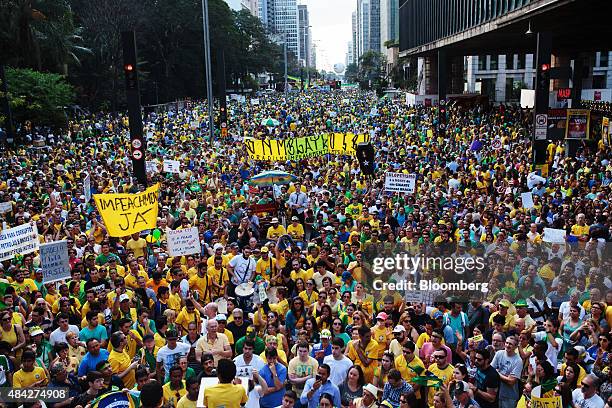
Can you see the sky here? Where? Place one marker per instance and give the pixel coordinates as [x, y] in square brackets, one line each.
[331, 29]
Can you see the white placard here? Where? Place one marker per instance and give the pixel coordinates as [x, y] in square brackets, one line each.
[245, 371]
[205, 383]
[194, 125]
[533, 179]
[554, 235]
[19, 240]
[151, 166]
[54, 261]
[184, 242]
[255, 101]
[400, 182]
[527, 199]
[87, 188]
[172, 166]
[6, 207]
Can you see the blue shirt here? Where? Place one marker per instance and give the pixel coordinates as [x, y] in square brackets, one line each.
[318, 347]
[327, 388]
[392, 394]
[89, 362]
[276, 398]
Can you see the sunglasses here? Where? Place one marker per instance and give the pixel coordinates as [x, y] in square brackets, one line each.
[437, 357]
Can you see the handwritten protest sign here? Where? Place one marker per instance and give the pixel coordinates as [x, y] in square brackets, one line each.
[126, 214]
[303, 147]
[6, 207]
[184, 242]
[54, 261]
[172, 166]
[554, 235]
[87, 188]
[19, 240]
[527, 200]
[551, 402]
[400, 183]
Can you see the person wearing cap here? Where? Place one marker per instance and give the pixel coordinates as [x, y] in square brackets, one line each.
[369, 399]
[462, 397]
[510, 319]
[522, 313]
[266, 265]
[275, 230]
[169, 355]
[296, 230]
[381, 333]
[218, 251]
[323, 348]
[399, 337]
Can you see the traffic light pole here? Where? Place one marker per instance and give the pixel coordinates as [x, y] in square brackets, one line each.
[137, 142]
[207, 64]
[542, 87]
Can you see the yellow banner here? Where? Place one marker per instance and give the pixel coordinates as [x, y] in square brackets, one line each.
[126, 214]
[552, 402]
[303, 147]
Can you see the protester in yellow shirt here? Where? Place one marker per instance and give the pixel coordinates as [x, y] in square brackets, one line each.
[28, 375]
[295, 229]
[440, 369]
[266, 265]
[275, 231]
[137, 245]
[175, 389]
[120, 361]
[225, 394]
[364, 352]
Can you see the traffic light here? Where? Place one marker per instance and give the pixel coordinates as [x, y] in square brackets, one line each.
[544, 76]
[131, 76]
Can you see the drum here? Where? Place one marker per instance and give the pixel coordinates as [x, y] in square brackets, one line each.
[244, 296]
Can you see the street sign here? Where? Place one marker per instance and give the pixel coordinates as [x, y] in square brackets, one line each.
[541, 126]
[496, 144]
[137, 154]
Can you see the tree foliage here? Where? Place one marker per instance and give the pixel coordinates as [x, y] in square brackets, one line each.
[38, 97]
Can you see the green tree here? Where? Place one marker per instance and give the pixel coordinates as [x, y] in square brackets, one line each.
[352, 73]
[38, 97]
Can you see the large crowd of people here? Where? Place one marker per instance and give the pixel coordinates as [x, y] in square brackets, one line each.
[280, 305]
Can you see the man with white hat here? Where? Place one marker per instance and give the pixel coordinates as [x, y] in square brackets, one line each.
[462, 396]
[369, 399]
[275, 231]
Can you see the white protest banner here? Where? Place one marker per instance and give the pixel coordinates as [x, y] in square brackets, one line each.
[554, 235]
[151, 166]
[54, 261]
[527, 199]
[87, 188]
[20, 240]
[255, 101]
[533, 179]
[194, 125]
[6, 207]
[400, 182]
[172, 166]
[184, 242]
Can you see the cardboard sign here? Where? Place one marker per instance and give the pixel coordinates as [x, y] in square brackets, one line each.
[54, 261]
[87, 188]
[184, 242]
[126, 214]
[172, 166]
[527, 199]
[551, 402]
[19, 240]
[554, 235]
[400, 183]
[151, 166]
[6, 207]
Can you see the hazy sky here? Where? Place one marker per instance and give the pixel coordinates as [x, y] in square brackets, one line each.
[331, 29]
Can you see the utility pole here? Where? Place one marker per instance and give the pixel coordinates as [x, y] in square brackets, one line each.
[285, 56]
[209, 90]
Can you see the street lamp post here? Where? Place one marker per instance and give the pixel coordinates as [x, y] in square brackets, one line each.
[209, 91]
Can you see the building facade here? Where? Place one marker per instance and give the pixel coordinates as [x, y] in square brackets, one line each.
[305, 35]
[281, 19]
[367, 22]
[237, 5]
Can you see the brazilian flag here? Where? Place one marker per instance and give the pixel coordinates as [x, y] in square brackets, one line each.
[114, 399]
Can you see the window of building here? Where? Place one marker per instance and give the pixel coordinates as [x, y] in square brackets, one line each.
[603, 59]
[510, 61]
[494, 64]
[482, 62]
[521, 61]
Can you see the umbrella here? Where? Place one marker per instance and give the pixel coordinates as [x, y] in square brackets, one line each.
[268, 178]
[270, 122]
